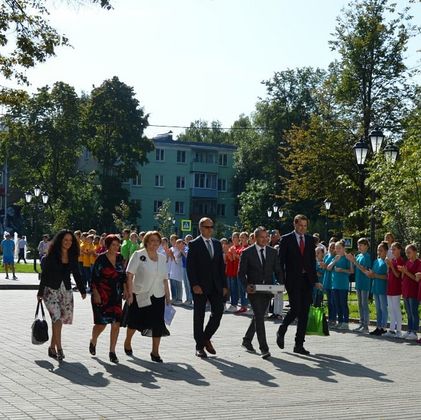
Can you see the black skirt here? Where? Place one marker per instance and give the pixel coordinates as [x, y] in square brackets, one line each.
[149, 320]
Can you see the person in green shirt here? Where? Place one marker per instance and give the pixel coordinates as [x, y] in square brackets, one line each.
[125, 246]
[133, 244]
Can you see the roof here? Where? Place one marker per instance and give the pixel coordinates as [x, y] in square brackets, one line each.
[167, 139]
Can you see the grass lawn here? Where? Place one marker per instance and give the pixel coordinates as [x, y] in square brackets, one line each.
[22, 268]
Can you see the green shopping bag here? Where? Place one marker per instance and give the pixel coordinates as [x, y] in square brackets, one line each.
[317, 322]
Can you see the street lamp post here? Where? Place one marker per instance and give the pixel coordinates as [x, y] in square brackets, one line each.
[361, 150]
[327, 204]
[28, 199]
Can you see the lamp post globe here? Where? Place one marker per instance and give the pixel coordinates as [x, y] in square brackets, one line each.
[361, 151]
[269, 212]
[275, 207]
[44, 197]
[37, 191]
[281, 214]
[28, 197]
[391, 152]
[376, 139]
[327, 203]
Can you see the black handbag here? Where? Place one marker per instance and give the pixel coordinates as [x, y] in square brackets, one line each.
[39, 326]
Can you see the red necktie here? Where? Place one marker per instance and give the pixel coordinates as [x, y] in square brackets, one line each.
[302, 246]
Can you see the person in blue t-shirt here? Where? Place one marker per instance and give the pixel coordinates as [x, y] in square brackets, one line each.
[379, 289]
[8, 250]
[341, 269]
[327, 283]
[362, 262]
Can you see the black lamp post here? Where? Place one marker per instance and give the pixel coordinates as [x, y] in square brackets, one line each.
[28, 199]
[361, 149]
[327, 204]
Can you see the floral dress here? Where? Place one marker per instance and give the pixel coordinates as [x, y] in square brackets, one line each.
[109, 281]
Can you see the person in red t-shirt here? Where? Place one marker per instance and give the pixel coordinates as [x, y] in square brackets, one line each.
[394, 290]
[244, 243]
[231, 269]
[410, 290]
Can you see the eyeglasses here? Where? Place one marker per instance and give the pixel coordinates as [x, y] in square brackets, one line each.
[207, 227]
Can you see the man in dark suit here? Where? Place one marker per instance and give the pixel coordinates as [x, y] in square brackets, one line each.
[298, 262]
[258, 264]
[206, 273]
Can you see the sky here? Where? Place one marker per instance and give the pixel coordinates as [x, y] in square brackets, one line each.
[193, 59]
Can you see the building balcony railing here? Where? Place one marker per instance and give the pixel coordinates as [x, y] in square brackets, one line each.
[204, 167]
[204, 193]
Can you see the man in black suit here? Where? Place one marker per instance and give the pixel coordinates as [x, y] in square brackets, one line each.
[298, 262]
[258, 264]
[206, 273]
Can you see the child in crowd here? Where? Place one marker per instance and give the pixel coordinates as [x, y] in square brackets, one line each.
[379, 288]
[394, 290]
[317, 293]
[327, 283]
[341, 269]
[362, 262]
[231, 270]
[410, 291]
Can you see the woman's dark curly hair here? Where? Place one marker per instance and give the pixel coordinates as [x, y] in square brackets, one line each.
[55, 246]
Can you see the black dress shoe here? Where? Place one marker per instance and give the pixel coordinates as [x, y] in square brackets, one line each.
[129, 352]
[248, 346]
[301, 350]
[60, 355]
[375, 332]
[266, 355]
[156, 358]
[92, 348]
[280, 337]
[113, 357]
[52, 353]
[201, 353]
[209, 347]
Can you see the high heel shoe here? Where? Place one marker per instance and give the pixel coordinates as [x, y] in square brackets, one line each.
[156, 358]
[52, 353]
[113, 357]
[60, 355]
[129, 352]
[92, 348]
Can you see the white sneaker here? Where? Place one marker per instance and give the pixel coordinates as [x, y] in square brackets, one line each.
[359, 328]
[406, 335]
[232, 308]
[390, 334]
[365, 330]
[398, 334]
[412, 337]
[344, 326]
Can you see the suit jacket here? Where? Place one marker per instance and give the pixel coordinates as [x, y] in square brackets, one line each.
[293, 264]
[251, 270]
[204, 271]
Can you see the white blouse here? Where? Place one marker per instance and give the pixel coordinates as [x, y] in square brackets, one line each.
[149, 276]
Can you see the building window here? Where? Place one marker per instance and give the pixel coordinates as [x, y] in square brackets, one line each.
[157, 204]
[180, 183]
[203, 180]
[137, 180]
[159, 154]
[181, 156]
[138, 204]
[220, 210]
[159, 180]
[222, 184]
[223, 159]
[179, 207]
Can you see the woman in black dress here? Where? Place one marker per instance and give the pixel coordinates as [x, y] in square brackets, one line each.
[108, 279]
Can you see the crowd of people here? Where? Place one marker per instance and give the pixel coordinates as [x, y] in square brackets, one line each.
[149, 271]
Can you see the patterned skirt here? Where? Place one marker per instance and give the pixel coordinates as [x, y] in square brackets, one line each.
[59, 303]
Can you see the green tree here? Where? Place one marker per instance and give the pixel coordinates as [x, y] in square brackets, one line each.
[254, 202]
[164, 218]
[113, 128]
[201, 132]
[43, 146]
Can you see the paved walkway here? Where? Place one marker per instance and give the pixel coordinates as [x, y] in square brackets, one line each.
[347, 376]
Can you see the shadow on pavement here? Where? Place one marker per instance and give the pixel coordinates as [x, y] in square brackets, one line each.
[327, 367]
[239, 372]
[75, 372]
[125, 373]
[172, 371]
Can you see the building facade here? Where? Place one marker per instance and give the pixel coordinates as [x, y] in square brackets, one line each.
[196, 177]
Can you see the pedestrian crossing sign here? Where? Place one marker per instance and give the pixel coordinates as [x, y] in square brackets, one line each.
[186, 225]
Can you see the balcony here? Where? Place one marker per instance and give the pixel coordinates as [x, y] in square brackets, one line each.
[204, 167]
[204, 193]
